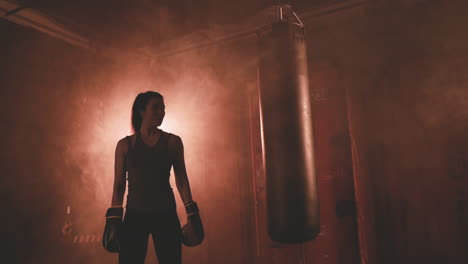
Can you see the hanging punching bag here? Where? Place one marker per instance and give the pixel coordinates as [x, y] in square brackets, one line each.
[287, 136]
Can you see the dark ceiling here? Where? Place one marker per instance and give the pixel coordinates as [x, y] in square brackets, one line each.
[136, 23]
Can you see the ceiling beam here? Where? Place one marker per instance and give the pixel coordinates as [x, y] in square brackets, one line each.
[39, 20]
[263, 21]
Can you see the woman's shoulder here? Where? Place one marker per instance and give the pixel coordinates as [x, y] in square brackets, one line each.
[173, 141]
[124, 143]
[171, 136]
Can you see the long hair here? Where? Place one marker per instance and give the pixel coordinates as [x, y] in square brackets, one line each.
[140, 105]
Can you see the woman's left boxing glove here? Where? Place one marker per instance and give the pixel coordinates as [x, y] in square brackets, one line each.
[192, 232]
[110, 238]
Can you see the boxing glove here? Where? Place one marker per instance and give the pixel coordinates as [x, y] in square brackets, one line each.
[112, 229]
[192, 232]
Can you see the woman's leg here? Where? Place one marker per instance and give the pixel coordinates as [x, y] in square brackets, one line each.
[134, 238]
[167, 237]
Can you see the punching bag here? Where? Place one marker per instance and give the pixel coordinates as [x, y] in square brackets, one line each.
[287, 135]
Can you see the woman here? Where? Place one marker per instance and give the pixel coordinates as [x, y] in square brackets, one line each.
[148, 156]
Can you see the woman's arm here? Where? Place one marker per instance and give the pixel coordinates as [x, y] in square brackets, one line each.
[180, 171]
[120, 173]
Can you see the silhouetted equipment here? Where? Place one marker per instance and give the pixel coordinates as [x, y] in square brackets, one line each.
[287, 134]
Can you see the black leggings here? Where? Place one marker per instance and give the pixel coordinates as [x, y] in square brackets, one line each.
[165, 229]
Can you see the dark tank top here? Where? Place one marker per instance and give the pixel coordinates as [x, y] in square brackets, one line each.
[148, 175]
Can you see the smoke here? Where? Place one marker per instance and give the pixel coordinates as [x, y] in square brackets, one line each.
[444, 98]
[204, 97]
[67, 109]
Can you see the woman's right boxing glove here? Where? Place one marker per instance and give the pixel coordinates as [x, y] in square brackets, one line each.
[112, 229]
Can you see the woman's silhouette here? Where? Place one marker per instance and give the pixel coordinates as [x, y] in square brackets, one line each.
[148, 156]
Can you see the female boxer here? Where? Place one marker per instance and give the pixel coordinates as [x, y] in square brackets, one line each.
[148, 156]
